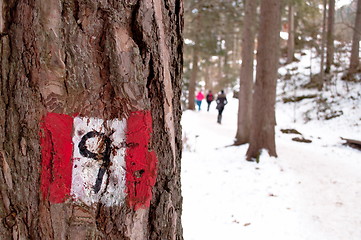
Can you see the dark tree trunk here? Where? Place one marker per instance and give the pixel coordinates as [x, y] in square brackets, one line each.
[354, 60]
[264, 98]
[291, 33]
[322, 51]
[193, 80]
[246, 76]
[330, 35]
[110, 61]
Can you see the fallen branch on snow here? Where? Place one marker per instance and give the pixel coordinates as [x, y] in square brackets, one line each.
[297, 98]
[304, 140]
[352, 143]
[290, 131]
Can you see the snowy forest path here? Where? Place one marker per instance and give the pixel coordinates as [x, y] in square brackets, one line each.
[311, 191]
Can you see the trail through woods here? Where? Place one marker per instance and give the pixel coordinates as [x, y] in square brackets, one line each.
[311, 191]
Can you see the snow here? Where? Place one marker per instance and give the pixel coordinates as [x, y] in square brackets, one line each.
[311, 191]
[340, 3]
[284, 35]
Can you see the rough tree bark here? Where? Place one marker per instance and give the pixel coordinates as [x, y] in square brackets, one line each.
[330, 35]
[103, 60]
[264, 97]
[291, 33]
[354, 59]
[246, 75]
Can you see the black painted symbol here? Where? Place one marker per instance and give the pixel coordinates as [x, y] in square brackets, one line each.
[104, 143]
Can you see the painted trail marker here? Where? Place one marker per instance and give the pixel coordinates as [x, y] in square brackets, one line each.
[98, 173]
[91, 160]
[56, 152]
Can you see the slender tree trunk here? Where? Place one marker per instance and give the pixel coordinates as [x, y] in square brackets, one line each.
[193, 80]
[322, 52]
[246, 76]
[220, 72]
[354, 60]
[226, 66]
[291, 33]
[207, 78]
[235, 52]
[264, 98]
[330, 35]
[74, 70]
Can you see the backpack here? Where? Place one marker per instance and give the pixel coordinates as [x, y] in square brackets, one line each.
[210, 97]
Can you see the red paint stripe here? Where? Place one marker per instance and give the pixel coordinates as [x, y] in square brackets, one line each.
[141, 164]
[56, 151]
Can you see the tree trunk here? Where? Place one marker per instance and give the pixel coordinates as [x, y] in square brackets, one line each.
[330, 35]
[322, 52]
[264, 98]
[90, 139]
[219, 75]
[354, 60]
[291, 33]
[207, 78]
[235, 51]
[246, 76]
[193, 80]
[225, 66]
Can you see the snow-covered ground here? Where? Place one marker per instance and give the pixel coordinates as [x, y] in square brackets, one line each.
[312, 191]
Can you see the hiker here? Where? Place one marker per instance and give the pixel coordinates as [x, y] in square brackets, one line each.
[199, 99]
[209, 99]
[221, 102]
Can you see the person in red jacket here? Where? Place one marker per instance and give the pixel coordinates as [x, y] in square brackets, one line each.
[209, 99]
[199, 99]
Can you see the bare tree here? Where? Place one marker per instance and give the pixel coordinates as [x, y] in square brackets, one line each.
[207, 77]
[291, 33]
[322, 51]
[90, 136]
[264, 98]
[354, 60]
[330, 35]
[193, 79]
[246, 75]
